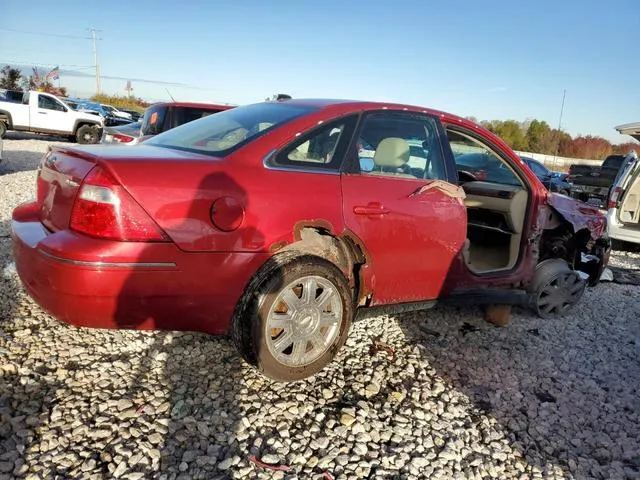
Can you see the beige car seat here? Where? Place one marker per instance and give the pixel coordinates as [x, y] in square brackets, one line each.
[392, 157]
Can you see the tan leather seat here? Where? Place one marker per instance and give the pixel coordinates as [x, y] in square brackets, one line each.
[391, 156]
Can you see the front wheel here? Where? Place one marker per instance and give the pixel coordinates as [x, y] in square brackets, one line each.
[294, 317]
[557, 288]
[88, 134]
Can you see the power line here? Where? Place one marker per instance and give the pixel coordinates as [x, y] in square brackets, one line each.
[17, 62]
[57, 35]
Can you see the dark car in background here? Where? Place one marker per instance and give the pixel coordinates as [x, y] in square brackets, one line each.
[161, 117]
[594, 182]
[553, 181]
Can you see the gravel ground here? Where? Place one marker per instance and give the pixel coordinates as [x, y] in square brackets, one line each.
[459, 399]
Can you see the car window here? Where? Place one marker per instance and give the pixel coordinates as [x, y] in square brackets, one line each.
[225, 132]
[182, 115]
[318, 149]
[613, 161]
[399, 144]
[538, 169]
[479, 160]
[49, 103]
[153, 120]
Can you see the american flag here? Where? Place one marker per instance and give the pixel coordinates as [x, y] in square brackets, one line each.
[54, 74]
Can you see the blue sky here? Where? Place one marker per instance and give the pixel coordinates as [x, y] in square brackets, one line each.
[492, 59]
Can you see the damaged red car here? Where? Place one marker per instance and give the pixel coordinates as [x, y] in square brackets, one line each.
[277, 222]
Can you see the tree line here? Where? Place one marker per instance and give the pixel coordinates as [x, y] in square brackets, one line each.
[538, 137]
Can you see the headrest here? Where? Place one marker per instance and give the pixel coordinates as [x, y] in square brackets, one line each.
[392, 152]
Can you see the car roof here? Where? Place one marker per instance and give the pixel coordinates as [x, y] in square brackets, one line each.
[208, 106]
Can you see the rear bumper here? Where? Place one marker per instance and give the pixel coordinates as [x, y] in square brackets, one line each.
[619, 231]
[103, 284]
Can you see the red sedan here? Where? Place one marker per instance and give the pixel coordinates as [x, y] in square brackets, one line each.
[276, 222]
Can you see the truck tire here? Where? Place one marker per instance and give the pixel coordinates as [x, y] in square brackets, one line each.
[88, 134]
[3, 129]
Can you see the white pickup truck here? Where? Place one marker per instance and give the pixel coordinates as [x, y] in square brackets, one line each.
[45, 113]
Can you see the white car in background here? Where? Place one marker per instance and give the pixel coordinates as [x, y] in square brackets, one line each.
[118, 113]
[623, 208]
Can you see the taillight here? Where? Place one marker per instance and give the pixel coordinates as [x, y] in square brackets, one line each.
[104, 209]
[613, 198]
[122, 138]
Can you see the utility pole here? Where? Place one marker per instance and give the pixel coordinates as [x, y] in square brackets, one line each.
[95, 58]
[564, 93]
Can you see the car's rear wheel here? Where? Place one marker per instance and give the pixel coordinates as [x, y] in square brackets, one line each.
[87, 134]
[294, 317]
[557, 288]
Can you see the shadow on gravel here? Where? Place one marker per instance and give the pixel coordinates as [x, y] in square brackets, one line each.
[197, 419]
[25, 391]
[19, 161]
[565, 397]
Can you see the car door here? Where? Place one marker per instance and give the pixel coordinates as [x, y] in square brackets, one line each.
[401, 201]
[51, 115]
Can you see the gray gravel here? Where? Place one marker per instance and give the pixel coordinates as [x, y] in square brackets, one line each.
[460, 398]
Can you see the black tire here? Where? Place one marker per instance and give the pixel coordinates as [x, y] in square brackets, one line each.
[3, 128]
[88, 134]
[557, 288]
[249, 325]
[564, 192]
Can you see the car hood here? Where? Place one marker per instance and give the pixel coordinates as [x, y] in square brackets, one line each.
[579, 214]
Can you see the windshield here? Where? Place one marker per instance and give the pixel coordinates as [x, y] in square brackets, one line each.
[222, 133]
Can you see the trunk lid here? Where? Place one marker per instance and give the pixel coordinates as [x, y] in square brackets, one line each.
[60, 175]
[140, 167]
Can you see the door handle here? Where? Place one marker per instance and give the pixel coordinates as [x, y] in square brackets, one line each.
[42, 113]
[373, 208]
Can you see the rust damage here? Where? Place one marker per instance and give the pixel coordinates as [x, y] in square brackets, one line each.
[317, 237]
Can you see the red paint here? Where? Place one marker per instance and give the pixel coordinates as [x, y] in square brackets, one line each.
[412, 239]
[221, 217]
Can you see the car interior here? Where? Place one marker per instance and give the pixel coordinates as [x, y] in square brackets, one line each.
[629, 211]
[496, 210]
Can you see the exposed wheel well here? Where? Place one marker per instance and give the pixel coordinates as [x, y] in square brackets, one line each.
[343, 251]
[6, 118]
[559, 240]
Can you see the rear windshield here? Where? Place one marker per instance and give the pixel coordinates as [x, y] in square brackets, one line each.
[182, 115]
[153, 120]
[224, 132]
[613, 161]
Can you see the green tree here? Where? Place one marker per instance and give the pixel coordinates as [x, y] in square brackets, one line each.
[539, 137]
[511, 132]
[10, 78]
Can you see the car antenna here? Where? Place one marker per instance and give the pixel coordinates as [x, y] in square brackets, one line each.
[172, 99]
